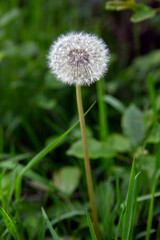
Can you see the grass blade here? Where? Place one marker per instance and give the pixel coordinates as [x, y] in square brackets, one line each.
[91, 227]
[150, 214]
[42, 154]
[45, 151]
[49, 225]
[67, 215]
[2, 198]
[41, 235]
[11, 187]
[9, 224]
[127, 219]
[120, 221]
[147, 197]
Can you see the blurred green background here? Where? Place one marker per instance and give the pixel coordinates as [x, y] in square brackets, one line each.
[35, 109]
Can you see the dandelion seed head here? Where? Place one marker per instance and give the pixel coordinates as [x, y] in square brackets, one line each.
[78, 58]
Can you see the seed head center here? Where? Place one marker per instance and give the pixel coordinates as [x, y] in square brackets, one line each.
[78, 58]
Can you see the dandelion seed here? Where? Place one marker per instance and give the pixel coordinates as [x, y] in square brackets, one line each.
[78, 58]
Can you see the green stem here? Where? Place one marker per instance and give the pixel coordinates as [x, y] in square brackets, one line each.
[102, 111]
[18, 187]
[152, 94]
[1, 140]
[86, 160]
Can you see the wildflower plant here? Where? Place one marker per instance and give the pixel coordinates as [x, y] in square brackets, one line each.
[80, 59]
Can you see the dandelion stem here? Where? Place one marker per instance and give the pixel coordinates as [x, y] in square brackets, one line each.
[86, 160]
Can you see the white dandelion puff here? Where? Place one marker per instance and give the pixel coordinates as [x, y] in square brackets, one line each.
[78, 58]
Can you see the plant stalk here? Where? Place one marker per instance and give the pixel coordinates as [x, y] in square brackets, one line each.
[103, 119]
[86, 161]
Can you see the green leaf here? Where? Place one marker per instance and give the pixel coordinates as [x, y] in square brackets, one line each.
[91, 227]
[142, 12]
[9, 17]
[49, 148]
[9, 223]
[51, 82]
[133, 125]
[42, 154]
[115, 103]
[149, 165]
[28, 49]
[63, 179]
[119, 142]
[45, 103]
[11, 187]
[68, 215]
[41, 235]
[96, 149]
[148, 197]
[127, 219]
[154, 135]
[119, 5]
[49, 225]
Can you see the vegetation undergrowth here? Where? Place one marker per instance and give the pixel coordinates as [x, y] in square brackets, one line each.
[43, 192]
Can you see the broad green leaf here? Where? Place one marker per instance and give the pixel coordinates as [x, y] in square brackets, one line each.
[154, 135]
[133, 125]
[149, 165]
[49, 225]
[142, 12]
[9, 224]
[76, 133]
[63, 179]
[119, 5]
[96, 149]
[119, 142]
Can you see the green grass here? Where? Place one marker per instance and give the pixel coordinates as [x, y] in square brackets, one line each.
[41, 164]
[128, 212]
